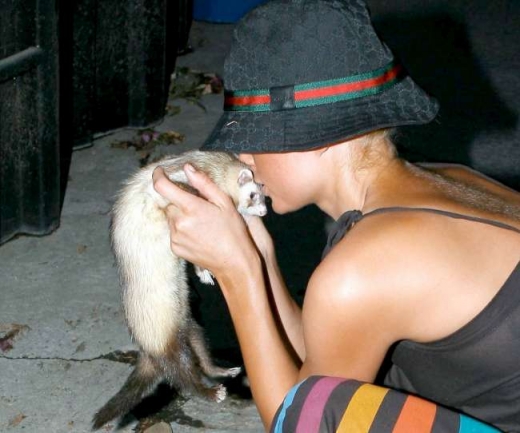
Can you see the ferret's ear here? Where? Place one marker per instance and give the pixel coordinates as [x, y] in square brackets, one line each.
[245, 176]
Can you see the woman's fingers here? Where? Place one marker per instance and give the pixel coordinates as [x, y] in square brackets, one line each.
[184, 200]
[206, 187]
[171, 192]
[207, 231]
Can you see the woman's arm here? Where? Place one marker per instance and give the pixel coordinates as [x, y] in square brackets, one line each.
[287, 311]
[347, 326]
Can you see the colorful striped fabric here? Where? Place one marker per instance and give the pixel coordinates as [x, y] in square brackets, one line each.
[317, 93]
[330, 404]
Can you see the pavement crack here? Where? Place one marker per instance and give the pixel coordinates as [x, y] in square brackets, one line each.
[125, 357]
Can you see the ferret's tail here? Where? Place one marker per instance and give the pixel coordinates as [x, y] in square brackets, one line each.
[145, 377]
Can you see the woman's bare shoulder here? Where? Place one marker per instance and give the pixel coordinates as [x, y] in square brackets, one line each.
[390, 260]
[379, 260]
[359, 301]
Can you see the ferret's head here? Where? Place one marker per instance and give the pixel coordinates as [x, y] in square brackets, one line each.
[251, 200]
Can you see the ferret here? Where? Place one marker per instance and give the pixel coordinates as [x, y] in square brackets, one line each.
[154, 281]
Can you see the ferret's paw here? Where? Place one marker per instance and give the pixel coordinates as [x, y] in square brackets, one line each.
[204, 275]
[207, 278]
[221, 393]
[233, 372]
[214, 371]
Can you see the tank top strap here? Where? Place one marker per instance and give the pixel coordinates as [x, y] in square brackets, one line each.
[445, 213]
[341, 226]
[347, 220]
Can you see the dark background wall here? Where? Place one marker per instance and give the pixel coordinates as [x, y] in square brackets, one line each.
[68, 70]
[465, 53]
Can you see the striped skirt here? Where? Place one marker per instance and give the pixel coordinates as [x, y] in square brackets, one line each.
[330, 404]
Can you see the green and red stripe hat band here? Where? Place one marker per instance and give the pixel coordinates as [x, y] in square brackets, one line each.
[315, 93]
[302, 74]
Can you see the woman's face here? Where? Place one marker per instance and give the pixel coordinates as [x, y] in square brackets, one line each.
[288, 178]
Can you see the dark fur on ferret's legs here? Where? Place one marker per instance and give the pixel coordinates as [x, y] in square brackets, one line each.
[186, 366]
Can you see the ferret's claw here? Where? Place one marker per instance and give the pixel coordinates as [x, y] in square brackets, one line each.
[214, 371]
[234, 372]
[221, 393]
[204, 275]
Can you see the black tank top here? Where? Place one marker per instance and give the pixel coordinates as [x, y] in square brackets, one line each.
[475, 370]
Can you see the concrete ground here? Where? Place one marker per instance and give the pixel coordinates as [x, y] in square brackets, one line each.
[64, 346]
[61, 323]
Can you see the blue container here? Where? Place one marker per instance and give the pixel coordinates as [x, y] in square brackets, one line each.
[222, 11]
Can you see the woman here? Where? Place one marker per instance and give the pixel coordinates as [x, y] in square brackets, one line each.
[422, 262]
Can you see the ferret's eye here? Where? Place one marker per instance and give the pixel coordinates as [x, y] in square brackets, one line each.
[252, 195]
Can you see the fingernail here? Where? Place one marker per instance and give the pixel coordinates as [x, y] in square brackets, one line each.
[190, 168]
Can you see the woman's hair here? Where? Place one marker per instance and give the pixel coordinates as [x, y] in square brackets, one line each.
[376, 148]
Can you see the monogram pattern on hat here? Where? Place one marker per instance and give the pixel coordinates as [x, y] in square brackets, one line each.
[308, 50]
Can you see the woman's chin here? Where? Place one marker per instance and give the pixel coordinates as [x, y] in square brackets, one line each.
[280, 208]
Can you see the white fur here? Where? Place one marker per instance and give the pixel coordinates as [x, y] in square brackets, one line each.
[221, 393]
[155, 288]
[204, 275]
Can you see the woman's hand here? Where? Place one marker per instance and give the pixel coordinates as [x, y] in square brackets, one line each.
[209, 233]
[213, 235]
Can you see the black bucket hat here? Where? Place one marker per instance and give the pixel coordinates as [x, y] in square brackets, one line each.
[302, 74]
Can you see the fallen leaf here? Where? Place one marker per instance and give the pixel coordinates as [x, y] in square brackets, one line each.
[11, 332]
[191, 85]
[13, 422]
[173, 110]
